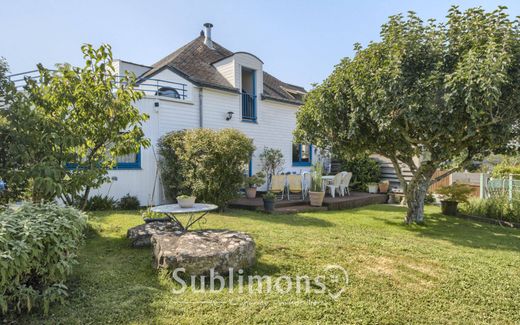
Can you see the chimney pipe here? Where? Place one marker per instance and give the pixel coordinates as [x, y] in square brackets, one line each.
[207, 34]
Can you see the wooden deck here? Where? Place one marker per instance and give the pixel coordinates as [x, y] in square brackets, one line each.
[296, 204]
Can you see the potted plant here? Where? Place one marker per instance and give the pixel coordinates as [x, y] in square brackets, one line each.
[383, 186]
[186, 201]
[252, 182]
[451, 196]
[316, 192]
[150, 216]
[372, 187]
[269, 198]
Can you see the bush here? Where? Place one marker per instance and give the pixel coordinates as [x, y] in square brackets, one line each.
[99, 203]
[364, 170]
[497, 207]
[129, 202]
[205, 163]
[38, 245]
[455, 192]
[503, 170]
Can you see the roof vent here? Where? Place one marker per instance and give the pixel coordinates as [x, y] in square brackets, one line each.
[207, 34]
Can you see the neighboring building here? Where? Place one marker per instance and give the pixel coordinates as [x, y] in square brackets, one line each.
[202, 84]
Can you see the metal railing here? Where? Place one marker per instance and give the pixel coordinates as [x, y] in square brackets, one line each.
[248, 107]
[149, 86]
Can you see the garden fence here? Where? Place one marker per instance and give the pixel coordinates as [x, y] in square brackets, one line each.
[500, 187]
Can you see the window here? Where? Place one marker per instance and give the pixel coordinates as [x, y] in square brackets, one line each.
[129, 161]
[168, 92]
[301, 154]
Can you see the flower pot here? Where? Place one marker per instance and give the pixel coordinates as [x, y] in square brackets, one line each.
[372, 188]
[316, 198]
[449, 208]
[268, 205]
[251, 192]
[383, 186]
[186, 202]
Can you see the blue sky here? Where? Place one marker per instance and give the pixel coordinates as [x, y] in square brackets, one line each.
[299, 41]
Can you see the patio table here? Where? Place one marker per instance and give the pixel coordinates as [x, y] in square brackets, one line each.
[196, 213]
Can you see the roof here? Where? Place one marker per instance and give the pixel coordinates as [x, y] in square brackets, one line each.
[194, 61]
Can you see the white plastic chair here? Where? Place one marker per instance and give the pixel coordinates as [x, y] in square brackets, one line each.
[336, 182]
[306, 183]
[345, 182]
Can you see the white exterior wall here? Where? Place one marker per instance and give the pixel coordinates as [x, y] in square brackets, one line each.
[275, 123]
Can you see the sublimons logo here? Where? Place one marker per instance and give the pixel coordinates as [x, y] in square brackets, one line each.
[333, 281]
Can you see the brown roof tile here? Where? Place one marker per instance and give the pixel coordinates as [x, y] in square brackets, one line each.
[194, 62]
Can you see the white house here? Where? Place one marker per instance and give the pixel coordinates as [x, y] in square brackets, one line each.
[202, 84]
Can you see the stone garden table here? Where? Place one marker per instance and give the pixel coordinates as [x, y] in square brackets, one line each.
[196, 213]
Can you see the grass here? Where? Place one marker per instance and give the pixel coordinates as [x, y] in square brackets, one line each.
[446, 271]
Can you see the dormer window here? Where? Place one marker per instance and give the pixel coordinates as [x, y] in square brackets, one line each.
[168, 92]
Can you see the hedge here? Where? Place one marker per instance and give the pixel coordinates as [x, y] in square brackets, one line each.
[38, 245]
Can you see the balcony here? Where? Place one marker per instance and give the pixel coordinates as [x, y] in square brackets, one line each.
[248, 107]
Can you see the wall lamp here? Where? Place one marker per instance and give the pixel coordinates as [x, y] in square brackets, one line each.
[229, 116]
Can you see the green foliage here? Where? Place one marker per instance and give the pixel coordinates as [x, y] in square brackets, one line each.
[257, 179]
[129, 202]
[440, 92]
[455, 192]
[316, 177]
[505, 168]
[38, 245]
[81, 117]
[208, 164]
[184, 196]
[100, 203]
[497, 207]
[429, 199]
[269, 196]
[272, 162]
[364, 170]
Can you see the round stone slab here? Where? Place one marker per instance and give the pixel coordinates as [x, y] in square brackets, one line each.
[200, 251]
[140, 235]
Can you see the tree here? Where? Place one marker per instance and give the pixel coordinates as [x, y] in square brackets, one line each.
[82, 119]
[427, 95]
[272, 162]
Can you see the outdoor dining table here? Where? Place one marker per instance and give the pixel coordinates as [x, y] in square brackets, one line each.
[195, 213]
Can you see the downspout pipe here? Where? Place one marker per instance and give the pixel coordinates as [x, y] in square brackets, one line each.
[200, 108]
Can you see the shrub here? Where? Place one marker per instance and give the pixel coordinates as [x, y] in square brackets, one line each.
[99, 203]
[364, 170]
[38, 245]
[455, 192]
[129, 202]
[272, 162]
[316, 177]
[257, 179]
[503, 170]
[206, 163]
[497, 207]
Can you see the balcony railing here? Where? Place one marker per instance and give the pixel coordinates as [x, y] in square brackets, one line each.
[150, 87]
[248, 107]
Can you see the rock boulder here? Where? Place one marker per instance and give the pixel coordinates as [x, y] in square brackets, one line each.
[140, 235]
[199, 251]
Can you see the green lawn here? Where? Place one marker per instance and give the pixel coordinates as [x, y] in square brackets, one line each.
[448, 270]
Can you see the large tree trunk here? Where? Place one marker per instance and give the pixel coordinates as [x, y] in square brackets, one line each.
[416, 193]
